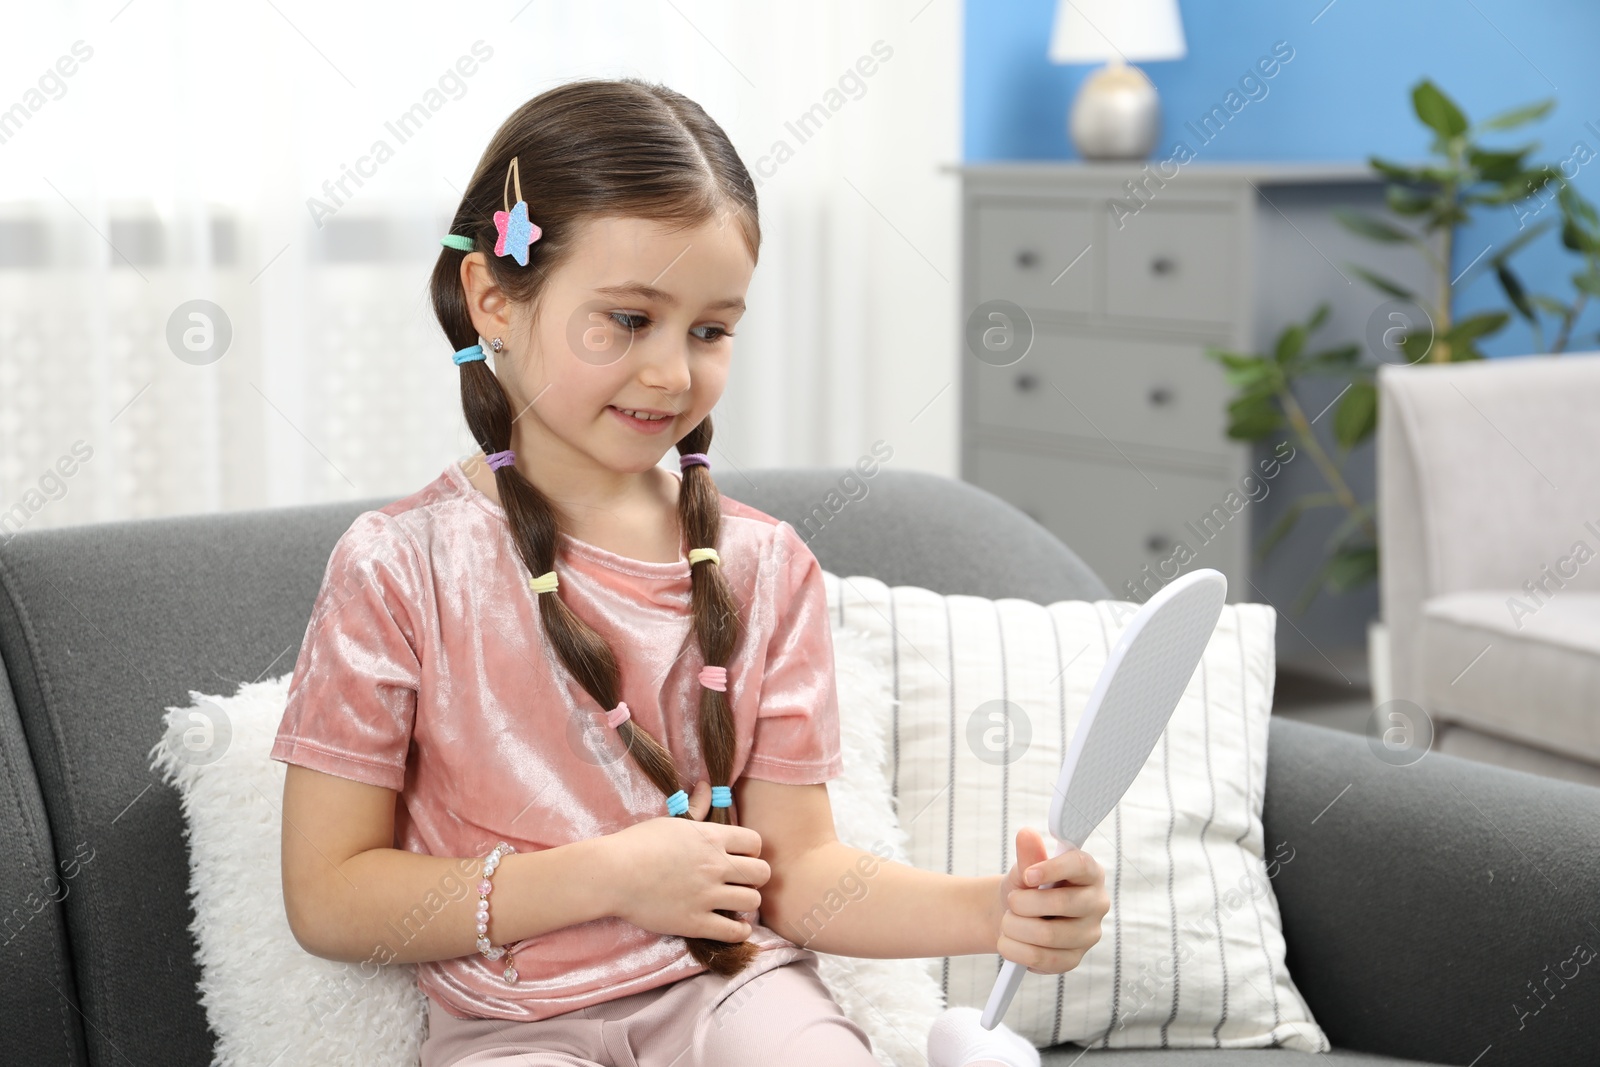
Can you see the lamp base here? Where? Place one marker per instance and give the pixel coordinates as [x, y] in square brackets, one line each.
[1116, 114]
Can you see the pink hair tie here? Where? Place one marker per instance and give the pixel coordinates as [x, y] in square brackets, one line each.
[501, 459]
[617, 715]
[714, 678]
[692, 459]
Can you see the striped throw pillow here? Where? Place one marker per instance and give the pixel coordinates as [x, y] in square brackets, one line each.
[988, 693]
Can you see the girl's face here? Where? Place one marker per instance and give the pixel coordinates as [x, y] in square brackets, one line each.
[627, 348]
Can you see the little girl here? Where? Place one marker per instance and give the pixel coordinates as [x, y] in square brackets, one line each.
[560, 725]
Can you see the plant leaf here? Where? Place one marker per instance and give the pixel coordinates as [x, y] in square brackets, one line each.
[1518, 116]
[1290, 342]
[1353, 518]
[1405, 201]
[1285, 522]
[1318, 317]
[1395, 171]
[1514, 291]
[1253, 417]
[1469, 329]
[1352, 567]
[1231, 359]
[1578, 238]
[1575, 206]
[1368, 226]
[1494, 165]
[1357, 414]
[1588, 282]
[1380, 282]
[1332, 359]
[1437, 110]
[1416, 344]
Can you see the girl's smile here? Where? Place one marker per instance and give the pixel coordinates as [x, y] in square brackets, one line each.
[644, 420]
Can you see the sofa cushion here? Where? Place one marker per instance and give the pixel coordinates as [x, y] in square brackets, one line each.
[989, 693]
[1497, 661]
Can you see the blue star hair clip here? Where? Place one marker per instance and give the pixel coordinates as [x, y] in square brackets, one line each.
[515, 232]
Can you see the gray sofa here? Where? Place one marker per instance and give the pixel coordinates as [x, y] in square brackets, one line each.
[1424, 906]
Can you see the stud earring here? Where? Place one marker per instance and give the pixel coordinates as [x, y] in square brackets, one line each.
[496, 344]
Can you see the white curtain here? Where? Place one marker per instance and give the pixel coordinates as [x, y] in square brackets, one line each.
[160, 153]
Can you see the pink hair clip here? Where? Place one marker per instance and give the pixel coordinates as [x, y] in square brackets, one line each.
[714, 678]
[618, 715]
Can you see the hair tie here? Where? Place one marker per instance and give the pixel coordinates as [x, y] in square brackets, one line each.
[455, 240]
[694, 459]
[714, 678]
[544, 583]
[468, 354]
[617, 715]
[678, 803]
[698, 554]
[501, 459]
[721, 796]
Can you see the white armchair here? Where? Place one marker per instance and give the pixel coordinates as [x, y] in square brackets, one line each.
[1489, 531]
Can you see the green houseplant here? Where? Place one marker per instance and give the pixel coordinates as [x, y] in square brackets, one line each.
[1435, 197]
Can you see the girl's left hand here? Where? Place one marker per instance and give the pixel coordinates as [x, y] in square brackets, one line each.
[1049, 930]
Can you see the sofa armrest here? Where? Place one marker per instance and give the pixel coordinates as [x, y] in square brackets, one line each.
[38, 996]
[1404, 577]
[1434, 910]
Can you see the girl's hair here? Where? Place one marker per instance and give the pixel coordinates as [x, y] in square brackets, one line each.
[588, 149]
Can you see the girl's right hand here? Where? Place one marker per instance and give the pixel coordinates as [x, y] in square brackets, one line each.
[674, 873]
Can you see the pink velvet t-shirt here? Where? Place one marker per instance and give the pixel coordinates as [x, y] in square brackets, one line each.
[425, 670]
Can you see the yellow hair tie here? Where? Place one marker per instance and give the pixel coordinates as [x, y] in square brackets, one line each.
[698, 554]
[544, 583]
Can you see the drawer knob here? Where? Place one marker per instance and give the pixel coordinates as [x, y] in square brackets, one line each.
[1027, 383]
[1162, 265]
[1160, 396]
[1027, 259]
[1157, 543]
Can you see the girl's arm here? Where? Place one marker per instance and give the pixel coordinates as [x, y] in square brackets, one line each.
[832, 897]
[350, 895]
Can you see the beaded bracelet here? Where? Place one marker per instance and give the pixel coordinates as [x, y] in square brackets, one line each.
[488, 950]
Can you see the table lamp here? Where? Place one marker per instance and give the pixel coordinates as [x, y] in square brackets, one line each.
[1116, 114]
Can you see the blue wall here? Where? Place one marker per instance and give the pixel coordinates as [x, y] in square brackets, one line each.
[1344, 95]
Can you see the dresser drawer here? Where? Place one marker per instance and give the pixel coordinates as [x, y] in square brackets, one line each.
[1023, 248]
[1116, 520]
[1162, 393]
[1174, 263]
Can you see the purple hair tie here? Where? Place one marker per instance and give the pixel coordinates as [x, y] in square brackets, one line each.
[501, 459]
[692, 459]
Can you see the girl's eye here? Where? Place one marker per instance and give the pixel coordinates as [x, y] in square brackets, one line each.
[634, 321]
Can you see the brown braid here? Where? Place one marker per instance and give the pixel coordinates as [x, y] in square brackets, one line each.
[586, 149]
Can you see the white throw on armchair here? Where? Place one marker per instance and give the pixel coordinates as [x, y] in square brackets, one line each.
[1489, 527]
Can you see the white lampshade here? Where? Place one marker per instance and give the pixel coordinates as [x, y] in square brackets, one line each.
[1091, 31]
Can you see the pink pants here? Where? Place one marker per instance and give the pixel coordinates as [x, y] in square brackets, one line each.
[776, 1013]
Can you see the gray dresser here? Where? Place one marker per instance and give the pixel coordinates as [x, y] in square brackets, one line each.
[1089, 292]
